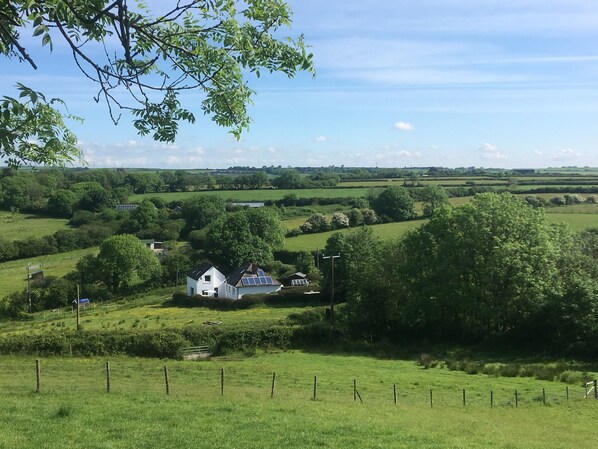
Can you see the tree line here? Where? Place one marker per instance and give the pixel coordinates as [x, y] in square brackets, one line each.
[493, 270]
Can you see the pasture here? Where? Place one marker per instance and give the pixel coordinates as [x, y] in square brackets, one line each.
[150, 311]
[13, 274]
[258, 195]
[236, 408]
[16, 226]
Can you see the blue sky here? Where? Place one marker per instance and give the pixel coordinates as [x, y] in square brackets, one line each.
[486, 83]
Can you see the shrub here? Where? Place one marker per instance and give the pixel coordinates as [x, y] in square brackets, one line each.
[427, 361]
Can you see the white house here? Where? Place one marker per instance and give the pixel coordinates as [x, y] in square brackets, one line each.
[207, 280]
[249, 279]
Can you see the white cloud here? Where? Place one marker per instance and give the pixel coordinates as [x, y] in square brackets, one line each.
[321, 139]
[491, 151]
[403, 126]
[537, 153]
[565, 154]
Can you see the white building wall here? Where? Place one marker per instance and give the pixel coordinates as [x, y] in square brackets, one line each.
[211, 283]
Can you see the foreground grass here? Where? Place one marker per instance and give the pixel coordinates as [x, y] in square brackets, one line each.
[13, 274]
[17, 226]
[74, 411]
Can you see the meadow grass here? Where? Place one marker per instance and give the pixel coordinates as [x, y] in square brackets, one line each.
[148, 311]
[73, 410]
[258, 195]
[13, 274]
[386, 231]
[575, 221]
[16, 226]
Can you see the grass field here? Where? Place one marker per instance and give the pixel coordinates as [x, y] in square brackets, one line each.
[17, 226]
[386, 231]
[72, 409]
[259, 195]
[151, 312]
[13, 274]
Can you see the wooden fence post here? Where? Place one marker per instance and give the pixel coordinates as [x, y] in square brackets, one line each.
[166, 380]
[491, 398]
[221, 381]
[37, 376]
[544, 396]
[464, 398]
[516, 399]
[394, 387]
[431, 399]
[595, 389]
[273, 381]
[354, 390]
[107, 377]
[567, 392]
[315, 387]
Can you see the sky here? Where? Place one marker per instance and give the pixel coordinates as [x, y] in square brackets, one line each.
[452, 83]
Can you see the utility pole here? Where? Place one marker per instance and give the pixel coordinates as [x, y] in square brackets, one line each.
[332, 287]
[29, 287]
[78, 316]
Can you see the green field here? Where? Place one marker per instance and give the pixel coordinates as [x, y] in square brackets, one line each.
[258, 195]
[17, 226]
[13, 274]
[575, 221]
[73, 410]
[152, 312]
[312, 242]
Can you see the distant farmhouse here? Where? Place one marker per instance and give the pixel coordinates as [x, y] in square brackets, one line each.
[126, 206]
[207, 280]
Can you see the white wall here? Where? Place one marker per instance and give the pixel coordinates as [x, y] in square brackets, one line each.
[207, 284]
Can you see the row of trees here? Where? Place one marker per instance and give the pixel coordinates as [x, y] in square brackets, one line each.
[490, 270]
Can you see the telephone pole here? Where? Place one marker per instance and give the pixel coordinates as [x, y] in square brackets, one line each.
[332, 287]
[29, 287]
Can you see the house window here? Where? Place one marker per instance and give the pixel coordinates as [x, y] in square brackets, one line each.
[207, 278]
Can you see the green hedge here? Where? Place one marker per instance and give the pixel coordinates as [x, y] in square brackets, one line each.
[163, 343]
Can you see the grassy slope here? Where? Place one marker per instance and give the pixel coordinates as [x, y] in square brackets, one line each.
[13, 274]
[17, 226]
[149, 313]
[138, 414]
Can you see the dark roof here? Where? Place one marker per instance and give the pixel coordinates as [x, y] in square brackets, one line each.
[199, 270]
[248, 270]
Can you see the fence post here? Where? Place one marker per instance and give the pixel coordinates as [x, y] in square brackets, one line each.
[544, 396]
[464, 398]
[595, 389]
[315, 387]
[567, 391]
[431, 399]
[273, 381]
[394, 386]
[491, 398]
[37, 376]
[107, 377]
[166, 380]
[221, 381]
[354, 390]
[516, 399]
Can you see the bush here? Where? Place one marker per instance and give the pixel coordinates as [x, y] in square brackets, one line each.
[427, 361]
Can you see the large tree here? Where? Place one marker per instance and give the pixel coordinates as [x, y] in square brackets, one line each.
[123, 256]
[248, 235]
[149, 59]
[394, 203]
[481, 269]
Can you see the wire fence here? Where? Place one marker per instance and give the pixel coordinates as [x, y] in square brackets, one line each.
[207, 381]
